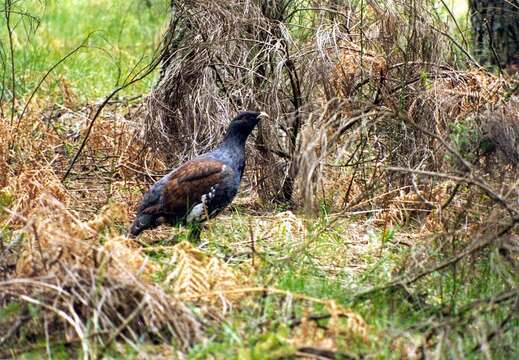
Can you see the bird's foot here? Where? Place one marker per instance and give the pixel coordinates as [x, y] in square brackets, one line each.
[194, 234]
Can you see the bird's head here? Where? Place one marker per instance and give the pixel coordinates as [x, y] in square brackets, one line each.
[243, 124]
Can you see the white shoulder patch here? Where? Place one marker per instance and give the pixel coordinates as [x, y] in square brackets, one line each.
[199, 212]
[196, 213]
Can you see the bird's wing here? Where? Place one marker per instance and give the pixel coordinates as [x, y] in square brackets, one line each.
[185, 187]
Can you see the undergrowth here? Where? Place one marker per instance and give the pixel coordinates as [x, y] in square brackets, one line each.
[400, 242]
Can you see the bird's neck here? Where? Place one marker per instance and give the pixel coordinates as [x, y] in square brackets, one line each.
[234, 138]
[234, 150]
[233, 146]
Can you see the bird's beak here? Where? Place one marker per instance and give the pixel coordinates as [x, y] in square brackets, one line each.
[263, 115]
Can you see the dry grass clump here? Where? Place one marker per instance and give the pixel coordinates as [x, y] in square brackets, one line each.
[55, 236]
[459, 93]
[450, 115]
[24, 190]
[420, 203]
[470, 113]
[90, 284]
[453, 97]
[88, 307]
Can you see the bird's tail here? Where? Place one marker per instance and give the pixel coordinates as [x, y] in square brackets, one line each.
[141, 223]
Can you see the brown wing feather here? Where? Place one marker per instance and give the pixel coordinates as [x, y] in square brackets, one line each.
[187, 185]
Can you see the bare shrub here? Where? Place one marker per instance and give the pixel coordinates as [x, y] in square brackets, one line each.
[298, 62]
[228, 56]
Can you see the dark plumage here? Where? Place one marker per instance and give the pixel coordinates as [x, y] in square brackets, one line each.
[200, 188]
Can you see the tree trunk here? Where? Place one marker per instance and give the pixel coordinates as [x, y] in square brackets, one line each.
[495, 28]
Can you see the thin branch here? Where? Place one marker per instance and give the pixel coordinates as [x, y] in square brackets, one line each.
[114, 334]
[7, 8]
[406, 280]
[69, 54]
[470, 180]
[144, 72]
[465, 43]
[458, 45]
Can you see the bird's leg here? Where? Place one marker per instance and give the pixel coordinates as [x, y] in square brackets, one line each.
[175, 235]
[175, 238]
[194, 233]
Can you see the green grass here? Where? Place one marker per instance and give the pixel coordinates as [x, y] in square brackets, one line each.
[391, 314]
[118, 35]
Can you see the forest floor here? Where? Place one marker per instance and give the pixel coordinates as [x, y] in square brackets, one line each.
[253, 268]
[261, 283]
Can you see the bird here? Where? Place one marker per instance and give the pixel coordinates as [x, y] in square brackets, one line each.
[200, 188]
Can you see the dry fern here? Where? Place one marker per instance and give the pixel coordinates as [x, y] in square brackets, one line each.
[343, 327]
[196, 275]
